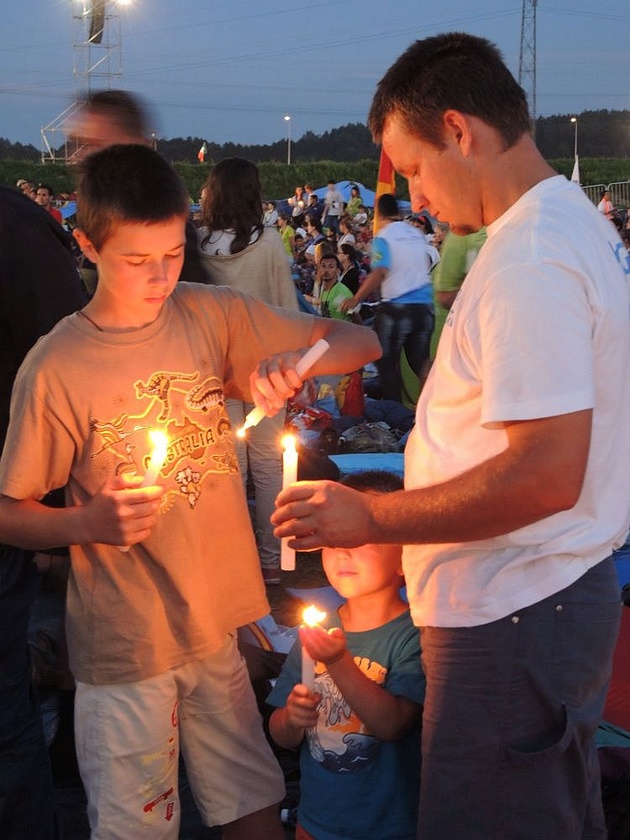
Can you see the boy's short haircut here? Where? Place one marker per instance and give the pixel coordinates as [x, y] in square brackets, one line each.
[456, 71]
[126, 184]
[374, 481]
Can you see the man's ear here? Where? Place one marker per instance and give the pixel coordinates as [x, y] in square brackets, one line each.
[458, 130]
[85, 244]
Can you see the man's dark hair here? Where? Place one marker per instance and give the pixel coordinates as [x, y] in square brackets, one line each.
[387, 206]
[374, 481]
[126, 184]
[124, 108]
[452, 70]
[333, 257]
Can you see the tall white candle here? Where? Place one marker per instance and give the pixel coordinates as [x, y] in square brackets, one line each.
[289, 476]
[311, 616]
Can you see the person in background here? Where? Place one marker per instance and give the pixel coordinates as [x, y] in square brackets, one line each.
[605, 206]
[238, 251]
[346, 235]
[358, 727]
[516, 471]
[287, 235]
[39, 285]
[349, 267]
[401, 266]
[44, 197]
[457, 255]
[355, 202]
[331, 292]
[116, 117]
[361, 216]
[313, 208]
[297, 203]
[270, 216]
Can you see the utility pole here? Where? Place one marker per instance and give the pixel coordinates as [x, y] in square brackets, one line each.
[527, 57]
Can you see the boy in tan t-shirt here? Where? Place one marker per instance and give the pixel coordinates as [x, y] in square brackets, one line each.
[151, 629]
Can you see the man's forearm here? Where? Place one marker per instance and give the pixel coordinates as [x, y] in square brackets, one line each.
[527, 482]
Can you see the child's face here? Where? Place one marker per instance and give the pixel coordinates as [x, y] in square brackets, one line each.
[364, 570]
[138, 268]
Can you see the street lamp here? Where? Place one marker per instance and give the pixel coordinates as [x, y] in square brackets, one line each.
[575, 122]
[287, 120]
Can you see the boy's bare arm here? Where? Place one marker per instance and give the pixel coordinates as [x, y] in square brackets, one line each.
[115, 515]
[385, 715]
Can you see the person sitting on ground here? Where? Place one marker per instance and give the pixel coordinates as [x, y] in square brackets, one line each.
[331, 292]
[151, 633]
[287, 235]
[363, 712]
[270, 216]
[361, 216]
[346, 234]
[350, 272]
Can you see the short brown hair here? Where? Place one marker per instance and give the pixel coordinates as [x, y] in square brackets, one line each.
[452, 70]
[126, 184]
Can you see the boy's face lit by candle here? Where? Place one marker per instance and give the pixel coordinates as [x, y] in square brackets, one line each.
[138, 268]
[363, 570]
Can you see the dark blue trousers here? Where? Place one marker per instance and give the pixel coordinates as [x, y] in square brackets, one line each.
[510, 716]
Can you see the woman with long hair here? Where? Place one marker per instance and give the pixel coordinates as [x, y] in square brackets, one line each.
[238, 251]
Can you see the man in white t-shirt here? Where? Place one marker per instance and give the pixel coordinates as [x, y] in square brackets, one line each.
[516, 470]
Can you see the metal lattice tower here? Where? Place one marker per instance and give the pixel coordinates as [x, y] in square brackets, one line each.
[527, 57]
[97, 62]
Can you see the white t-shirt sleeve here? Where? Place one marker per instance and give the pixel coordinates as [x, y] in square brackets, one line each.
[533, 363]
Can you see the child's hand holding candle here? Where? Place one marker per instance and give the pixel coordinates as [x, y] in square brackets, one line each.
[311, 617]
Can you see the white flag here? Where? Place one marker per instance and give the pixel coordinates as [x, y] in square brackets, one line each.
[575, 175]
[201, 154]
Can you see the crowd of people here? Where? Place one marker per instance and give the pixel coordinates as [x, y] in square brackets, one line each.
[467, 708]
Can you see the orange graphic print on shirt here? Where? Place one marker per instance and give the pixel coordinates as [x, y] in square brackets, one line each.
[192, 415]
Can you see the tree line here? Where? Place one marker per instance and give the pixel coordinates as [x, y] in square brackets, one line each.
[600, 134]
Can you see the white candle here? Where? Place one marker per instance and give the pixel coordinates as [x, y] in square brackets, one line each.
[311, 616]
[156, 462]
[158, 457]
[289, 476]
[305, 363]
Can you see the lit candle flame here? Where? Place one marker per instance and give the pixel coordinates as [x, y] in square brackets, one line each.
[313, 616]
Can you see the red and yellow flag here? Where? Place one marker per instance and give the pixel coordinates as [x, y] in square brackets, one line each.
[385, 183]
